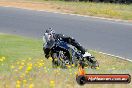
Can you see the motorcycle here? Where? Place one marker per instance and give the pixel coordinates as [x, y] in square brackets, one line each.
[64, 54]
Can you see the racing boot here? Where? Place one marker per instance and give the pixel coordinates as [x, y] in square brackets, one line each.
[92, 61]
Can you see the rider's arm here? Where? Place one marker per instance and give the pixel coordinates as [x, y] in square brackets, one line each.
[46, 51]
[64, 37]
[71, 41]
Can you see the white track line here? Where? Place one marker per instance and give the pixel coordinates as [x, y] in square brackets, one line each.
[102, 18]
[116, 56]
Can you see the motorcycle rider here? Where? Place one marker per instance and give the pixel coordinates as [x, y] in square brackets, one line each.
[50, 36]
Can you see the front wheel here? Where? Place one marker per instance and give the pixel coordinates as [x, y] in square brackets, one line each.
[92, 62]
[60, 59]
[55, 60]
[95, 65]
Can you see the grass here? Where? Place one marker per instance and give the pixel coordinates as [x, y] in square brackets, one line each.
[108, 10]
[22, 65]
[14, 47]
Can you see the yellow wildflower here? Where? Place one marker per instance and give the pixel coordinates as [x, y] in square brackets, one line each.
[50, 58]
[21, 76]
[30, 64]
[55, 59]
[52, 83]
[70, 73]
[113, 68]
[12, 66]
[29, 68]
[97, 68]
[31, 85]
[23, 60]
[18, 62]
[22, 63]
[75, 73]
[40, 64]
[16, 70]
[18, 84]
[73, 65]
[68, 66]
[35, 64]
[30, 79]
[20, 67]
[24, 81]
[29, 58]
[46, 71]
[45, 68]
[26, 72]
[41, 60]
[3, 58]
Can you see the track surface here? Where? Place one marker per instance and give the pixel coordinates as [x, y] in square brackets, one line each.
[101, 35]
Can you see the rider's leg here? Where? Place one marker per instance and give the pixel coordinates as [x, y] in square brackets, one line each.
[79, 47]
[75, 43]
[46, 51]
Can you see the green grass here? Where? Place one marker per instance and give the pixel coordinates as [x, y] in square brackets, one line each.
[108, 10]
[14, 48]
[24, 65]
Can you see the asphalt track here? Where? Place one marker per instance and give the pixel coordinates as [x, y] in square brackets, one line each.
[97, 34]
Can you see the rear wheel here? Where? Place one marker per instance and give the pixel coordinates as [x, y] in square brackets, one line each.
[55, 62]
[60, 59]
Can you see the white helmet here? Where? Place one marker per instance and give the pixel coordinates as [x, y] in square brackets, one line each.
[49, 34]
[49, 37]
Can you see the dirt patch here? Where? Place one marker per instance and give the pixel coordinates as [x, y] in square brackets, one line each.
[35, 6]
[75, 8]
